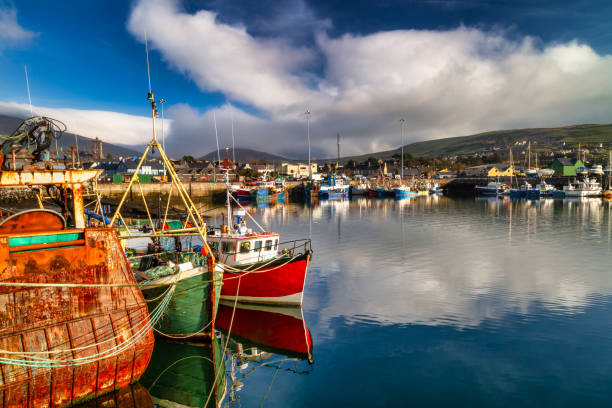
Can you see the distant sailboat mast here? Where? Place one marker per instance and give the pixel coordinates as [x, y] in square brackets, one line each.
[338, 153]
[402, 161]
[233, 144]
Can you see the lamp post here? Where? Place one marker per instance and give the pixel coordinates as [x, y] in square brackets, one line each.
[307, 113]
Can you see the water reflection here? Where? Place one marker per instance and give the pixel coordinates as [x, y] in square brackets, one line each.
[263, 338]
[184, 374]
[435, 260]
[133, 396]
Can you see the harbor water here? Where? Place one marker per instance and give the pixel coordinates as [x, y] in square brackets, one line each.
[435, 301]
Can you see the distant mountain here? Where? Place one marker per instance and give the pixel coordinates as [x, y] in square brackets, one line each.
[245, 155]
[8, 124]
[542, 139]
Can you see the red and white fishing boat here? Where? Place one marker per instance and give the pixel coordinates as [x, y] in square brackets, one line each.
[257, 267]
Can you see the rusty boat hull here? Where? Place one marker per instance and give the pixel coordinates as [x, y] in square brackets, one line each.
[63, 344]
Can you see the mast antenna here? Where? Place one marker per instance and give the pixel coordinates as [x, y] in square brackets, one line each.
[25, 68]
[147, 51]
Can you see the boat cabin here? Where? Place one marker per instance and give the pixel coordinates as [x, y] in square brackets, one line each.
[239, 249]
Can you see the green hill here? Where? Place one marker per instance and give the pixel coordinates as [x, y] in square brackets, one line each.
[542, 139]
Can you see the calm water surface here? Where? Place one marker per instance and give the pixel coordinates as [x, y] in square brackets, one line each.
[437, 301]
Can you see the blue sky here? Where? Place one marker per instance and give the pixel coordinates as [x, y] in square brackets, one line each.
[264, 62]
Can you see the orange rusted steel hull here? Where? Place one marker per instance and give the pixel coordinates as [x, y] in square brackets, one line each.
[42, 319]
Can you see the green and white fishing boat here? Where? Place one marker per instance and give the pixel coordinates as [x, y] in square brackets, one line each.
[162, 265]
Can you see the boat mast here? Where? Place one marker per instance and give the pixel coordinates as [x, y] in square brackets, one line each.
[529, 155]
[338, 154]
[307, 113]
[227, 196]
[233, 145]
[402, 161]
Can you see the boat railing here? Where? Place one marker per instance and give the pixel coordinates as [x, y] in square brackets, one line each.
[291, 248]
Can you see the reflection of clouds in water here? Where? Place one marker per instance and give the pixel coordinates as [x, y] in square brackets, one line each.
[455, 263]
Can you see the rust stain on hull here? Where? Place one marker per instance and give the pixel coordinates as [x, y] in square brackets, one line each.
[44, 319]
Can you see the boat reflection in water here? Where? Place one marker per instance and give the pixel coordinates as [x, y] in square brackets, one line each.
[183, 374]
[133, 396]
[258, 333]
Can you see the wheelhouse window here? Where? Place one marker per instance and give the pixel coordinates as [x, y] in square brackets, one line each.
[276, 244]
[258, 245]
[269, 245]
[228, 247]
[245, 247]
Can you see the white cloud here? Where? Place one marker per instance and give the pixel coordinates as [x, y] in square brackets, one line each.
[10, 30]
[110, 127]
[222, 57]
[445, 83]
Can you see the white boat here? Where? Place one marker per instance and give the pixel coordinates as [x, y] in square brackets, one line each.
[585, 188]
[596, 169]
[546, 172]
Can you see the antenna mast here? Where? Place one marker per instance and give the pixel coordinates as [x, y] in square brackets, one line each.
[25, 68]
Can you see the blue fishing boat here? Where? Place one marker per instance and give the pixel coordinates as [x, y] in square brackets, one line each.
[334, 188]
[403, 192]
[520, 192]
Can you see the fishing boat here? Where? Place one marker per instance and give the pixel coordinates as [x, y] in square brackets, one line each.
[73, 323]
[521, 191]
[360, 189]
[493, 188]
[541, 190]
[384, 191]
[403, 192]
[585, 188]
[334, 188]
[257, 267]
[244, 192]
[436, 189]
[186, 276]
